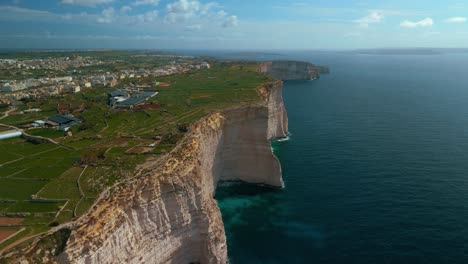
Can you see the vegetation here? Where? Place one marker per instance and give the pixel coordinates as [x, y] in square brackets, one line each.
[56, 183]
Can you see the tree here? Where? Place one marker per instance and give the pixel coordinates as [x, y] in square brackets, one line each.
[89, 157]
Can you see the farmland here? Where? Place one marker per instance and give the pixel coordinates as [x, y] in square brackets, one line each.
[51, 183]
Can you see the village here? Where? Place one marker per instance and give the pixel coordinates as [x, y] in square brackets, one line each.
[15, 90]
[131, 95]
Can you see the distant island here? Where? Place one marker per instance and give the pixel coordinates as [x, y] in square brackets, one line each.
[253, 54]
[408, 51]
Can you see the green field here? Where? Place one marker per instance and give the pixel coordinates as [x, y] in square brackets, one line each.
[44, 180]
[46, 132]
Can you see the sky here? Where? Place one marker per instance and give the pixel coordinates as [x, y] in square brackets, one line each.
[232, 24]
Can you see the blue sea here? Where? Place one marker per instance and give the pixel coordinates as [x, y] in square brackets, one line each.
[376, 168]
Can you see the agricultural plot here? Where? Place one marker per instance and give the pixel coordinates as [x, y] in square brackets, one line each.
[34, 166]
[56, 183]
[6, 233]
[46, 132]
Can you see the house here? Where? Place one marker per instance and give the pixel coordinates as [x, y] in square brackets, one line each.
[38, 123]
[62, 122]
[98, 79]
[72, 88]
[113, 82]
[31, 110]
[63, 79]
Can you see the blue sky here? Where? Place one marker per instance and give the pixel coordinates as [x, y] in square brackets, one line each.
[233, 24]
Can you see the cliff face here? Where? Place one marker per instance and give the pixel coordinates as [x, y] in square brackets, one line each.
[292, 70]
[167, 214]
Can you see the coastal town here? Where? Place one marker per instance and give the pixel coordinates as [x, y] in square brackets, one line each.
[135, 89]
[74, 80]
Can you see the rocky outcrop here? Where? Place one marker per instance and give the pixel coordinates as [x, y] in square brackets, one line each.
[168, 213]
[292, 70]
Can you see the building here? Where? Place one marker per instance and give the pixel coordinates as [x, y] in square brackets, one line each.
[120, 99]
[62, 122]
[117, 96]
[32, 110]
[62, 79]
[130, 102]
[145, 95]
[71, 88]
[10, 134]
[98, 79]
[38, 123]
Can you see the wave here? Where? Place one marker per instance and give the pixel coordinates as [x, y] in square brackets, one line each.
[287, 138]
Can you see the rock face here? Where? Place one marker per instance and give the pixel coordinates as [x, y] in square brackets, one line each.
[167, 213]
[292, 70]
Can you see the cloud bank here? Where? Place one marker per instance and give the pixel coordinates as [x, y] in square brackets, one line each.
[427, 22]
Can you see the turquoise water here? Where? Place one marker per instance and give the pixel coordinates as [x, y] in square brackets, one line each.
[376, 169]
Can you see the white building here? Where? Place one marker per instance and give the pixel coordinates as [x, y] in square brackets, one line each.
[63, 79]
[38, 123]
[10, 134]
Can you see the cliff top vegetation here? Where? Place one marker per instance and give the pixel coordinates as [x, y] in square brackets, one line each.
[50, 183]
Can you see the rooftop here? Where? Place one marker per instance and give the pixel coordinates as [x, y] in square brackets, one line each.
[62, 119]
[132, 101]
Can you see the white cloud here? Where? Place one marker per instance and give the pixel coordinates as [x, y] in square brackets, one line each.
[108, 16]
[427, 22]
[86, 2]
[182, 10]
[230, 21]
[125, 9]
[372, 18]
[13, 13]
[67, 16]
[147, 17]
[196, 27]
[194, 11]
[456, 20]
[146, 2]
[221, 14]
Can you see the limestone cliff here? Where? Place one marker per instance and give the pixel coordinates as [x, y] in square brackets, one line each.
[292, 70]
[167, 214]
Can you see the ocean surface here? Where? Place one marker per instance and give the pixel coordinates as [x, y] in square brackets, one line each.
[376, 168]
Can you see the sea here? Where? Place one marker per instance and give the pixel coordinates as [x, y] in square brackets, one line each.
[375, 168]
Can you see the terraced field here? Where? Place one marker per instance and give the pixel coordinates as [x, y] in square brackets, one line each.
[49, 184]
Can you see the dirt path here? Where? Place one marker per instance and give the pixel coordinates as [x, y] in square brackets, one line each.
[17, 242]
[7, 113]
[82, 194]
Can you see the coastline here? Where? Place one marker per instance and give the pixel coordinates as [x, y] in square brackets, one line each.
[166, 213]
